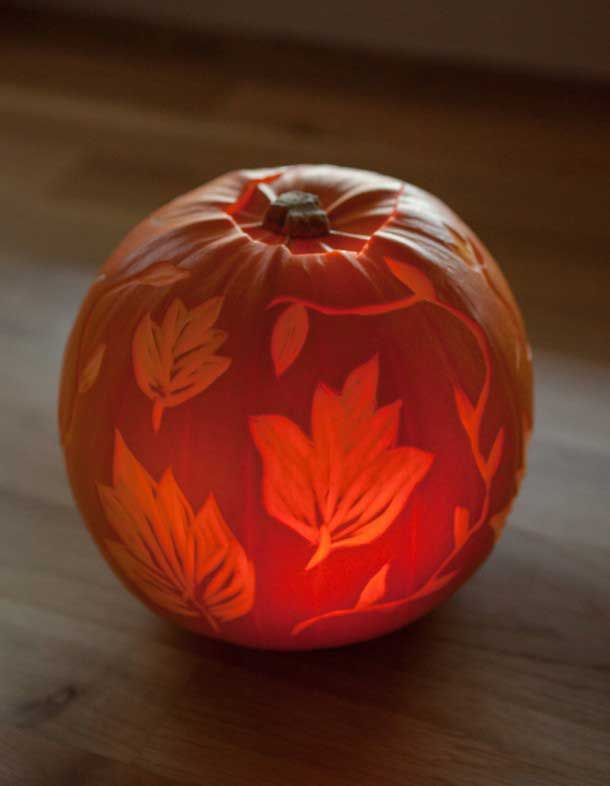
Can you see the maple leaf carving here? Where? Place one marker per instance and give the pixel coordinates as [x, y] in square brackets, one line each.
[185, 563]
[176, 359]
[347, 483]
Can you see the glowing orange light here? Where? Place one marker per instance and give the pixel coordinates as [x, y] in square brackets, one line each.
[297, 440]
[347, 484]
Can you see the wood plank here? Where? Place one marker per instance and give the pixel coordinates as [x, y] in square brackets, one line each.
[29, 759]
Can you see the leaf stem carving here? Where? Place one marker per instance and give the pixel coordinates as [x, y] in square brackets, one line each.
[370, 599]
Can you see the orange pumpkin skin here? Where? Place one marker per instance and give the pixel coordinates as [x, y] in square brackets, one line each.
[294, 442]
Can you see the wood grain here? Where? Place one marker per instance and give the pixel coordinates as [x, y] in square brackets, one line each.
[509, 682]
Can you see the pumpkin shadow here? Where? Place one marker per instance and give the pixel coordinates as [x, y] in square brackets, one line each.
[346, 715]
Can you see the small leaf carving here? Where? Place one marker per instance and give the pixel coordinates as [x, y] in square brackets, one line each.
[176, 360]
[417, 281]
[466, 412]
[288, 337]
[91, 369]
[495, 454]
[498, 521]
[102, 303]
[461, 521]
[185, 563]
[160, 274]
[347, 483]
[371, 596]
[375, 588]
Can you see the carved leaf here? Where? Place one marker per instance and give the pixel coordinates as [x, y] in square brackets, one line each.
[461, 520]
[186, 564]
[91, 369]
[287, 491]
[288, 337]
[417, 281]
[495, 454]
[467, 413]
[375, 588]
[498, 521]
[347, 483]
[175, 360]
[372, 595]
[161, 274]
[101, 307]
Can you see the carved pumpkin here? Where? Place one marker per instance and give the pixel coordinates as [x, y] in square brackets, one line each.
[295, 406]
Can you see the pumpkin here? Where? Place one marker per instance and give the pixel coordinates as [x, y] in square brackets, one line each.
[295, 406]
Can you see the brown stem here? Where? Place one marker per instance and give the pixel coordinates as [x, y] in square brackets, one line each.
[297, 214]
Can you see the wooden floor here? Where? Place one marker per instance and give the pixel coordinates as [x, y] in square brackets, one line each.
[509, 683]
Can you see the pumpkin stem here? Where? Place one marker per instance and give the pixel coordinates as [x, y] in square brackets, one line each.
[297, 214]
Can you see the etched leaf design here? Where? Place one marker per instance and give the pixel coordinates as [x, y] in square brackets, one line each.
[467, 413]
[498, 521]
[470, 417]
[160, 274]
[370, 599]
[288, 493]
[91, 369]
[375, 588]
[101, 305]
[347, 483]
[185, 563]
[495, 454]
[417, 281]
[461, 520]
[176, 359]
[288, 337]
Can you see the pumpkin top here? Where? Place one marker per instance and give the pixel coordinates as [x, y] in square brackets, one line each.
[327, 232]
[304, 210]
